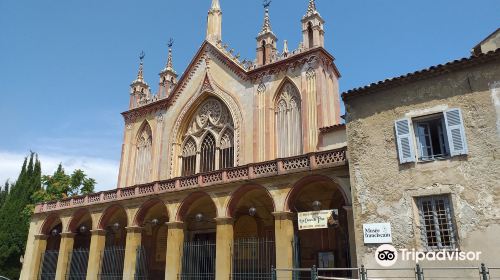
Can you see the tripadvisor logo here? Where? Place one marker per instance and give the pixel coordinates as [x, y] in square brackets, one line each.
[386, 255]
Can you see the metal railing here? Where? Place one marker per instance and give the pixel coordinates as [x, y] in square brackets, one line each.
[198, 260]
[112, 258]
[253, 258]
[78, 263]
[49, 265]
[415, 273]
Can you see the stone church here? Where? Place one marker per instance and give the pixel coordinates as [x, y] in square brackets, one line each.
[218, 164]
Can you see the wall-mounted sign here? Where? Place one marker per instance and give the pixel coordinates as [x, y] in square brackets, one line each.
[317, 219]
[377, 233]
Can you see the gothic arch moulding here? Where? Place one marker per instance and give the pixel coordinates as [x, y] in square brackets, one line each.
[192, 118]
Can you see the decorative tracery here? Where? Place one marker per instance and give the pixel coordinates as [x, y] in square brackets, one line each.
[211, 140]
[288, 121]
[143, 155]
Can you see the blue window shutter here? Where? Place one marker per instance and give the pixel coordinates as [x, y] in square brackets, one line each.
[456, 132]
[404, 137]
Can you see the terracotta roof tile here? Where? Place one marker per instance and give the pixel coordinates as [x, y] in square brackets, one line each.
[421, 74]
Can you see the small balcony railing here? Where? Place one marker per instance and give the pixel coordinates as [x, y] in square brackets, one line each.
[312, 161]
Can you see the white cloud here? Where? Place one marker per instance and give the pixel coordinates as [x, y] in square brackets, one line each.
[104, 171]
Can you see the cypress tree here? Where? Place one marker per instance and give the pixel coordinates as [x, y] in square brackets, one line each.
[15, 224]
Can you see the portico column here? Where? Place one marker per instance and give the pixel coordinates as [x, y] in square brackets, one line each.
[97, 242]
[65, 249]
[134, 236]
[352, 237]
[39, 247]
[284, 232]
[175, 242]
[223, 248]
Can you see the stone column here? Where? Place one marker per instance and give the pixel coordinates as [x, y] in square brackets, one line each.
[223, 248]
[284, 232]
[97, 243]
[39, 246]
[65, 249]
[352, 237]
[175, 242]
[134, 236]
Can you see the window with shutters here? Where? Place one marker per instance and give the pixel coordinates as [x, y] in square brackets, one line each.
[436, 136]
[430, 133]
[436, 222]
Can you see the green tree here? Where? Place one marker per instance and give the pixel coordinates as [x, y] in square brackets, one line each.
[60, 185]
[14, 229]
[17, 202]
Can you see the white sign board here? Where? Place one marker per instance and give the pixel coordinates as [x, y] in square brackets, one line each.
[377, 233]
[316, 219]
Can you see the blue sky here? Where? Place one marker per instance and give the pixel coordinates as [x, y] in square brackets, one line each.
[66, 65]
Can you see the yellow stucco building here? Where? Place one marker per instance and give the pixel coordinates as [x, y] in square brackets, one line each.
[217, 164]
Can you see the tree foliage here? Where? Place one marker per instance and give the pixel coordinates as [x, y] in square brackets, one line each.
[17, 202]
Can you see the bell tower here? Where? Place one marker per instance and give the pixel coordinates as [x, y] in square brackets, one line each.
[139, 89]
[266, 40]
[168, 76]
[313, 34]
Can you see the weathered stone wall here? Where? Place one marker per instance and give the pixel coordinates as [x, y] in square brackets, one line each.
[384, 190]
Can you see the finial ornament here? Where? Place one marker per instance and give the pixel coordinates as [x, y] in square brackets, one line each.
[170, 65]
[267, 3]
[311, 9]
[140, 76]
[266, 27]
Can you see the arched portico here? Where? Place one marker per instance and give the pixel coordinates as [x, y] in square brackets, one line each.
[152, 217]
[253, 250]
[51, 231]
[198, 214]
[325, 247]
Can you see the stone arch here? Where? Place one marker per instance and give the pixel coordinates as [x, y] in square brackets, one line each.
[238, 194]
[49, 223]
[145, 126]
[286, 80]
[145, 207]
[207, 88]
[108, 214]
[143, 166]
[288, 118]
[77, 218]
[188, 201]
[299, 185]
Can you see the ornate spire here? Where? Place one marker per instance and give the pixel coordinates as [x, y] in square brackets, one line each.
[215, 5]
[140, 75]
[170, 65]
[214, 22]
[266, 27]
[311, 9]
[285, 47]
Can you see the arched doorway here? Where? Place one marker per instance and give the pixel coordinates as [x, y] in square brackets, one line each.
[152, 217]
[114, 222]
[80, 226]
[325, 247]
[251, 207]
[52, 228]
[198, 213]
